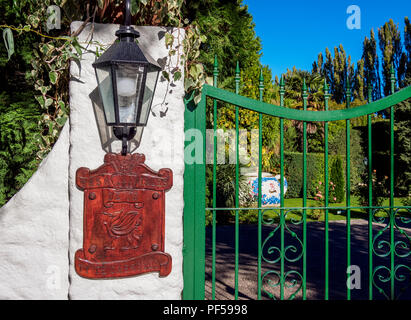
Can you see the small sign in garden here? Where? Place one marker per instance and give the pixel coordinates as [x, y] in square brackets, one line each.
[270, 188]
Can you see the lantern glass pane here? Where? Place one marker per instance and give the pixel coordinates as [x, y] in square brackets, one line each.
[129, 78]
[105, 87]
[150, 87]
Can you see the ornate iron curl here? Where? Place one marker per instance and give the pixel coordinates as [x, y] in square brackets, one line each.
[381, 278]
[272, 220]
[270, 283]
[271, 250]
[378, 243]
[402, 278]
[293, 248]
[402, 244]
[293, 283]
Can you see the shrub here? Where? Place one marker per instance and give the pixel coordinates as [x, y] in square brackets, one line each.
[18, 148]
[293, 170]
[380, 187]
[337, 176]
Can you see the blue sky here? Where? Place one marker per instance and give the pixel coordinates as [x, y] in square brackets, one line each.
[294, 32]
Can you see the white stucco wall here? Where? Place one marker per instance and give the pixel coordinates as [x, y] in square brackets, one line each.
[34, 230]
[41, 227]
[163, 145]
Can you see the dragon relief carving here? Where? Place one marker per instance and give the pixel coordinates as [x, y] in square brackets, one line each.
[123, 225]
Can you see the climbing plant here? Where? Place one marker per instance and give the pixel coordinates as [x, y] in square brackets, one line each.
[54, 50]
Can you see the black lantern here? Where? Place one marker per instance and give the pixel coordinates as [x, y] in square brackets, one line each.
[127, 79]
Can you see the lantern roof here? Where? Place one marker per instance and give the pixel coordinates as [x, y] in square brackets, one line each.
[125, 52]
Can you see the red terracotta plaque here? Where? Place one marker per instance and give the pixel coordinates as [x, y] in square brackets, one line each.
[123, 226]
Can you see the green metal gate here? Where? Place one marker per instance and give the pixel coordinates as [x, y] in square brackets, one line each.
[387, 264]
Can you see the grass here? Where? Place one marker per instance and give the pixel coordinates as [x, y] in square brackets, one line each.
[251, 216]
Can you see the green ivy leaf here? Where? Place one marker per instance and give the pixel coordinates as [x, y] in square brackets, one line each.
[77, 46]
[63, 107]
[61, 121]
[135, 6]
[166, 75]
[50, 125]
[43, 90]
[48, 102]
[169, 39]
[196, 70]
[177, 75]
[53, 77]
[188, 83]
[40, 100]
[33, 20]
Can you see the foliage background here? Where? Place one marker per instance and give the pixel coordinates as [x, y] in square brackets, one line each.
[34, 98]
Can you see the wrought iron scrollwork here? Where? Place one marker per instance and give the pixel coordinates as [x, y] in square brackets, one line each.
[273, 251]
[397, 248]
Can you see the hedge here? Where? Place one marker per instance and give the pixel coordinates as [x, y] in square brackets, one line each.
[293, 170]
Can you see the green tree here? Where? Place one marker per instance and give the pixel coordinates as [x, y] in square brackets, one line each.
[389, 37]
[359, 87]
[403, 146]
[407, 45]
[371, 65]
[337, 177]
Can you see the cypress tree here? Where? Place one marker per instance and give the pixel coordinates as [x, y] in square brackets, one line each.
[407, 44]
[359, 81]
[328, 69]
[372, 65]
[390, 44]
[337, 178]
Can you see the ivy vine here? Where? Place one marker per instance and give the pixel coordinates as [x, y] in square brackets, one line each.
[53, 53]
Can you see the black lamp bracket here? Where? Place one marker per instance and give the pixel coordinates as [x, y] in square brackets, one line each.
[124, 134]
[126, 31]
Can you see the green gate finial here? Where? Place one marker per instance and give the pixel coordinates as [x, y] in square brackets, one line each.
[261, 84]
[282, 91]
[326, 94]
[215, 71]
[305, 95]
[348, 92]
[304, 86]
[282, 82]
[326, 88]
[237, 78]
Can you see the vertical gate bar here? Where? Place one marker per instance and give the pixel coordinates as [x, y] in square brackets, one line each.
[259, 256]
[215, 79]
[200, 178]
[305, 97]
[392, 217]
[260, 159]
[282, 201]
[237, 177]
[282, 92]
[190, 244]
[370, 210]
[326, 273]
[348, 184]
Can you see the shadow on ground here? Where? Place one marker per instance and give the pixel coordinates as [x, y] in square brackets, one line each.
[315, 261]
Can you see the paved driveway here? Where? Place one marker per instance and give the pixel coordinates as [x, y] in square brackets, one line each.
[315, 261]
